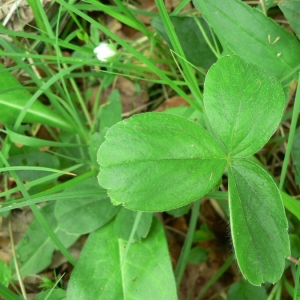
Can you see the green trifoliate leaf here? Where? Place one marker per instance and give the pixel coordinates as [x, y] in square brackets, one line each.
[258, 223]
[157, 162]
[243, 103]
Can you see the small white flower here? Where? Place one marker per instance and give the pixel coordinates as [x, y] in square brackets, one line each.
[105, 51]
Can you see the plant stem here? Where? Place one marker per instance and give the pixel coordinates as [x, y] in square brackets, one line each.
[296, 288]
[291, 135]
[179, 271]
[133, 231]
[263, 7]
[16, 261]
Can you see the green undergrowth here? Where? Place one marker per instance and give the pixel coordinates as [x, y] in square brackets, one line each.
[92, 176]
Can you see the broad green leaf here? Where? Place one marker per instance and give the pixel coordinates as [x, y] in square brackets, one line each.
[244, 105]
[246, 291]
[89, 213]
[258, 223]
[178, 212]
[56, 294]
[35, 142]
[124, 224]
[197, 255]
[203, 234]
[14, 97]
[191, 39]
[5, 273]
[296, 156]
[291, 10]
[39, 159]
[34, 251]
[95, 141]
[187, 112]
[157, 162]
[104, 273]
[249, 33]
[111, 111]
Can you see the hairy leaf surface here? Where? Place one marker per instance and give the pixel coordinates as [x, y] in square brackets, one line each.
[258, 223]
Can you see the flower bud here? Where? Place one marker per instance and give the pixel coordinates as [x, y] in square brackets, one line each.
[105, 51]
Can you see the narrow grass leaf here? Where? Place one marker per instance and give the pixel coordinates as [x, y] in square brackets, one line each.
[187, 70]
[247, 32]
[8, 294]
[103, 273]
[36, 142]
[156, 162]
[244, 105]
[291, 204]
[13, 99]
[258, 223]
[296, 155]
[39, 159]
[191, 39]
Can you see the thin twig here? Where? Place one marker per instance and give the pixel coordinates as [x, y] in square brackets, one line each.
[263, 6]
[293, 259]
[11, 12]
[175, 230]
[16, 261]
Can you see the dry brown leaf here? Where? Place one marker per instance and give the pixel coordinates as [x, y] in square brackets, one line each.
[172, 102]
[172, 4]
[20, 220]
[113, 24]
[132, 100]
[146, 5]
[16, 14]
